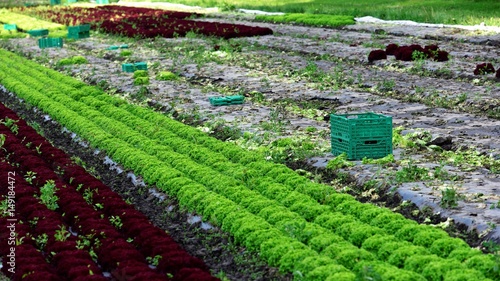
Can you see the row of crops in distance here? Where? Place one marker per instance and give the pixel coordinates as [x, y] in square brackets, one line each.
[143, 22]
[300, 226]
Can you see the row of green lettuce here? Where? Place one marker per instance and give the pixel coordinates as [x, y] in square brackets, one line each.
[300, 226]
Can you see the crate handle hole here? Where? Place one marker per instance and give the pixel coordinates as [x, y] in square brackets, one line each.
[371, 142]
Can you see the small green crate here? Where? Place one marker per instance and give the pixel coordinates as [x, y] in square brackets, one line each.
[55, 2]
[115, 47]
[361, 135]
[128, 67]
[50, 43]
[217, 101]
[79, 28]
[102, 1]
[38, 32]
[131, 67]
[10, 27]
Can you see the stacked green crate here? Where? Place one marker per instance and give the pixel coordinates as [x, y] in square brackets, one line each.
[79, 31]
[361, 135]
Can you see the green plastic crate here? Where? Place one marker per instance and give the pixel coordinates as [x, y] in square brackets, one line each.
[128, 67]
[79, 31]
[227, 100]
[115, 47]
[55, 2]
[38, 32]
[10, 27]
[361, 135]
[102, 1]
[50, 43]
[78, 35]
[79, 28]
[131, 67]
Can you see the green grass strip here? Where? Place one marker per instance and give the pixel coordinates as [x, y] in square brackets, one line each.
[309, 19]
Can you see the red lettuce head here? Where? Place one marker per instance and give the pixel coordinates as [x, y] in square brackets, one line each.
[484, 68]
[377, 55]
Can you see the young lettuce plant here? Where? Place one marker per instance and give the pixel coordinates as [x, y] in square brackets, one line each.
[48, 196]
[62, 234]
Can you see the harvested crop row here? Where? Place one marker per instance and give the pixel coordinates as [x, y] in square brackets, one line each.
[173, 180]
[87, 208]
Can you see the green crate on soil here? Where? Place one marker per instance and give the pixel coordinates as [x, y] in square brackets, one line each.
[227, 100]
[10, 27]
[102, 1]
[115, 47]
[79, 28]
[128, 67]
[79, 31]
[50, 43]
[131, 67]
[38, 32]
[361, 135]
[55, 2]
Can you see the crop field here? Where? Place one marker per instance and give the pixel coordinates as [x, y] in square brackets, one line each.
[430, 11]
[141, 143]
